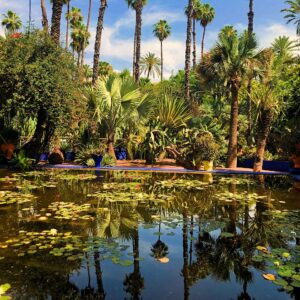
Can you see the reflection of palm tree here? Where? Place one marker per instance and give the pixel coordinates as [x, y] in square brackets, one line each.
[159, 249]
[185, 270]
[134, 282]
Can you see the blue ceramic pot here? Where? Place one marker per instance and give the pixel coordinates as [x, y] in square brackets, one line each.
[98, 160]
[70, 156]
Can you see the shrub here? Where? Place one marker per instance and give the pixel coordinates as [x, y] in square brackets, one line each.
[89, 152]
[108, 161]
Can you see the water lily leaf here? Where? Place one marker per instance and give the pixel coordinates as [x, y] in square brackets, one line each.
[280, 282]
[4, 288]
[285, 273]
[296, 277]
[296, 284]
[227, 235]
[125, 263]
[270, 277]
[171, 234]
[257, 258]
[158, 233]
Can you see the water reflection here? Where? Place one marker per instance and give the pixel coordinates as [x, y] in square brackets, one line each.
[204, 238]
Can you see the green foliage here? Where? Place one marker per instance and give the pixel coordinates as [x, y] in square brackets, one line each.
[86, 154]
[108, 161]
[90, 163]
[22, 162]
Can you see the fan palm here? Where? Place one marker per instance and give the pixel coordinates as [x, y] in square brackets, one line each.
[293, 13]
[11, 22]
[230, 59]
[162, 30]
[115, 101]
[206, 16]
[150, 65]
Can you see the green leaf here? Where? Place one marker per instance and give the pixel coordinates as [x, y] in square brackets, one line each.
[4, 288]
[280, 282]
[126, 263]
[296, 277]
[296, 284]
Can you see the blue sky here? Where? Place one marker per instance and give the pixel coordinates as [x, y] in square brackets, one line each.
[119, 26]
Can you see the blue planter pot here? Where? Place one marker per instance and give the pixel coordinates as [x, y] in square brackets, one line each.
[121, 154]
[44, 157]
[70, 156]
[98, 160]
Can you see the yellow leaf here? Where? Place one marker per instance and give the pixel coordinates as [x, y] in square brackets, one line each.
[263, 249]
[269, 277]
[163, 260]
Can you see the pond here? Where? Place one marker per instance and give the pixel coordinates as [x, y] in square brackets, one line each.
[130, 235]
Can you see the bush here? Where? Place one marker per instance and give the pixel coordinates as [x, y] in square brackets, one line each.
[89, 152]
[90, 163]
[22, 162]
[108, 161]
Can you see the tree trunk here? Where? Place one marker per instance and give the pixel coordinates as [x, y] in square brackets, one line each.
[263, 130]
[249, 113]
[139, 10]
[134, 53]
[68, 25]
[56, 20]
[185, 247]
[101, 293]
[250, 18]
[194, 44]
[161, 61]
[42, 135]
[148, 73]
[249, 86]
[232, 146]
[78, 59]
[188, 51]
[45, 23]
[102, 8]
[110, 145]
[202, 43]
[86, 32]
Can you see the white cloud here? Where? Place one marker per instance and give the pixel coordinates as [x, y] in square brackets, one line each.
[267, 34]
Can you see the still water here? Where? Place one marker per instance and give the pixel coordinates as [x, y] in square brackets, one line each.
[130, 235]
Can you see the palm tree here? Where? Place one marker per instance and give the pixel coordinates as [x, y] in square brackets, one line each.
[195, 16]
[206, 16]
[150, 65]
[79, 40]
[267, 95]
[293, 13]
[230, 60]
[162, 30]
[11, 22]
[115, 101]
[138, 22]
[87, 30]
[68, 23]
[189, 13]
[56, 19]
[103, 5]
[45, 23]
[74, 16]
[249, 85]
[250, 17]
[132, 4]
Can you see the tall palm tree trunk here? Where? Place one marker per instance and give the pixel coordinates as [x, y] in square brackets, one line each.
[263, 130]
[56, 20]
[68, 25]
[101, 293]
[233, 140]
[249, 85]
[194, 44]
[185, 247]
[86, 32]
[45, 23]
[102, 8]
[134, 53]
[188, 51]
[250, 17]
[139, 10]
[202, 43]
[161, 61]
